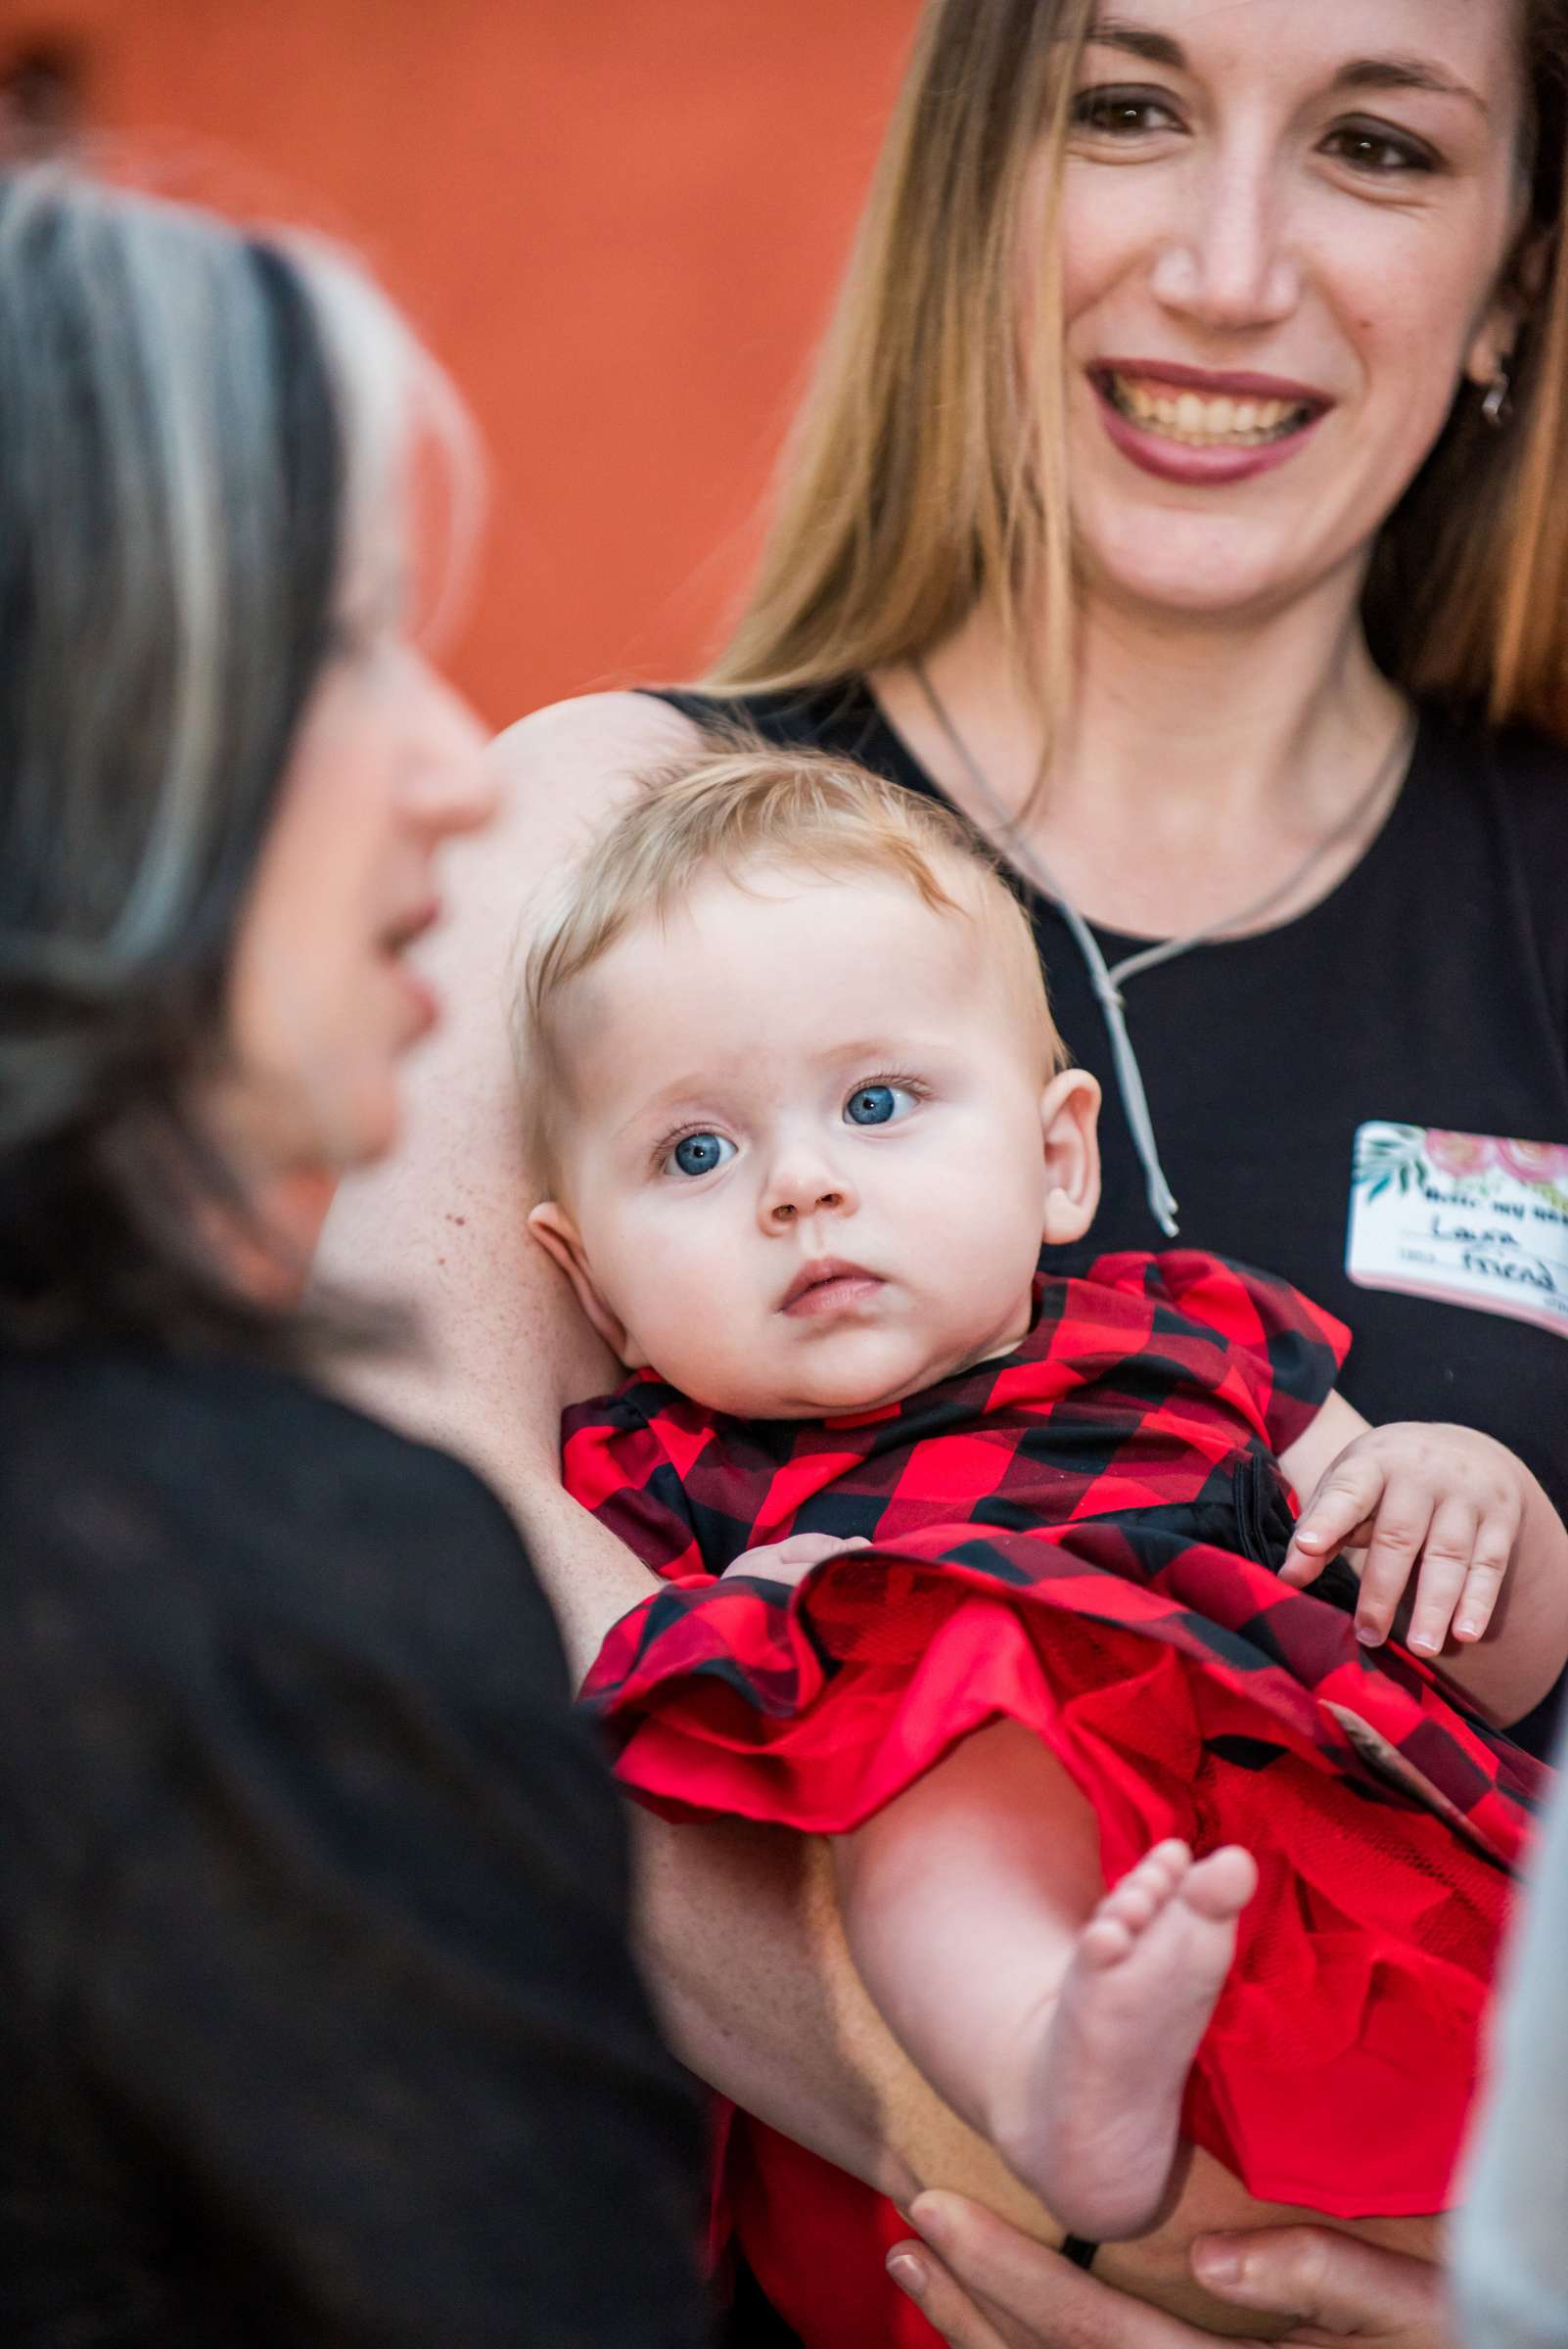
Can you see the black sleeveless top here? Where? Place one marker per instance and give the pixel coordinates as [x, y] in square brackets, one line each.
[1427, 993]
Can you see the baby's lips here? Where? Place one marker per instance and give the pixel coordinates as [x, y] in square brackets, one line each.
[817, 1274]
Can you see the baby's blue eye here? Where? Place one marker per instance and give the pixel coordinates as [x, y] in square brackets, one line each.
[874, 1104]
[701, 1153]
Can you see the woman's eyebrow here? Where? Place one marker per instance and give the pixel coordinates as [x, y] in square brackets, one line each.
[1405, 73]
[1156, 47]
[1361, 74]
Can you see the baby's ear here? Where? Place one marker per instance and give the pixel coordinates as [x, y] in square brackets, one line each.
[558, 1236]
[1070, 1112]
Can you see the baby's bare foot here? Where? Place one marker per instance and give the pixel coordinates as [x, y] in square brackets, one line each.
[1108, 2080]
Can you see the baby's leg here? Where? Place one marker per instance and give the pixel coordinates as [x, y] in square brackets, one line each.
[1058, 2019]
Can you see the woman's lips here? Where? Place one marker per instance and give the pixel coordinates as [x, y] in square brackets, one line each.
[1182, 425]
[829, 1287]
[423, 1003]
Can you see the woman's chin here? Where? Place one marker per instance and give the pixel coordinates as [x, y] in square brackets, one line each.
[1197, 568]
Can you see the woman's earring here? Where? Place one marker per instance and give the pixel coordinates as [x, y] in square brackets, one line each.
[1498, 405]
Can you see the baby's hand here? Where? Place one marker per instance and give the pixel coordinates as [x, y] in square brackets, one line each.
[792, 1559]
[1446, 1496]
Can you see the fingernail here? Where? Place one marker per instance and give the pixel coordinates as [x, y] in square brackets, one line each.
[925, 2216]
[908, 2273]
[1217, 2263]
[1467, 1629]
[1368, 1634]
[1423, 1643]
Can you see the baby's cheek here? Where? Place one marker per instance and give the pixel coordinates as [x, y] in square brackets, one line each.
[693, 1323]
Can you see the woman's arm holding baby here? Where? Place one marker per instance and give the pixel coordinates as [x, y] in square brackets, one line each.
[1464, 1554]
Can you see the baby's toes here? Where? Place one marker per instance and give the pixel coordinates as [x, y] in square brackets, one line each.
[1105, 1941]
[1145, 1889]
[1159, 1873]
[1222, 1885]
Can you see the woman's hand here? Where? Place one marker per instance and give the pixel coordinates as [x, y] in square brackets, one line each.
[984, 2285]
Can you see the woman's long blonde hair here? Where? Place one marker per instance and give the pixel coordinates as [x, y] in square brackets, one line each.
[926, 475]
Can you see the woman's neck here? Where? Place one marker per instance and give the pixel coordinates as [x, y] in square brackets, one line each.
[1199, 764]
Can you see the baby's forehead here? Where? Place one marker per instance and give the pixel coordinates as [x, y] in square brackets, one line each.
[786, 960]
[738, 920]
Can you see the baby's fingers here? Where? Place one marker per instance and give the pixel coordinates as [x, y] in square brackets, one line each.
[792, 1559]
[1445, 1563]
[1403, 1516]
[1344, 1502]
[1493, 1552]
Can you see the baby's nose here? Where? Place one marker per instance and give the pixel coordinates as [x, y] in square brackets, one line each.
[798, 1200]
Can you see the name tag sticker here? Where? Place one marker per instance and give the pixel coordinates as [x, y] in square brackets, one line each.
[1468, 1219]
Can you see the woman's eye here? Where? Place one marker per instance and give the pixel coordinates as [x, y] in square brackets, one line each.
[1122, 114]
[1380, 154]
[877, 1104]
[699, 1153]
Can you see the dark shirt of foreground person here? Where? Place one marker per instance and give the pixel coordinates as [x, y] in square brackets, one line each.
[318, 2020]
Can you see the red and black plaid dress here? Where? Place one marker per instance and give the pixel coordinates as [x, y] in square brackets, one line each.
[1084, 1536]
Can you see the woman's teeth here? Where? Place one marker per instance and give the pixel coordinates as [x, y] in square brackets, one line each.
[1197, 422]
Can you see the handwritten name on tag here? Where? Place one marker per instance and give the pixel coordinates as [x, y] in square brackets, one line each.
[1468, 1219]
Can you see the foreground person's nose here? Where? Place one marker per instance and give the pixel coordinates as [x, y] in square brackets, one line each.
[452, 786]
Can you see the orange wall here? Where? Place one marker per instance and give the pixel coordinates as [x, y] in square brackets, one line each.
[617, 221]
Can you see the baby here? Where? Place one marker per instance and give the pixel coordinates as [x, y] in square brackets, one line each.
[806, 1123]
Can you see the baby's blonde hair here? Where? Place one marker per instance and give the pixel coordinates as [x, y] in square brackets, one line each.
[725, 809]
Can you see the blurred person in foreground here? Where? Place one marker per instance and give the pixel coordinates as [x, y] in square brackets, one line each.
[318, 2021]
[1512, 2238]
[1179, 498]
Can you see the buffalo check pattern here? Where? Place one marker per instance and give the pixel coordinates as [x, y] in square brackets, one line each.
[1119, 1468]
[1085, 1536]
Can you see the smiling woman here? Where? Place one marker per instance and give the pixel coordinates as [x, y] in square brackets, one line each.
[1314, 188]
[1178, 499]
[1362, 221]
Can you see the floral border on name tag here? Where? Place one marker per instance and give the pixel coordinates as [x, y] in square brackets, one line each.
[1475, 1219]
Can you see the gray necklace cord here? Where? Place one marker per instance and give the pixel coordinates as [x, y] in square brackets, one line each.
[1108, 979]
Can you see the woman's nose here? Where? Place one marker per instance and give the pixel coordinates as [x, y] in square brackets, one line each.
[1226, 260]
[452, 785]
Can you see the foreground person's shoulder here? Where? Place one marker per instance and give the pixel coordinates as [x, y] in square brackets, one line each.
[325, 1455]
[240, 1472]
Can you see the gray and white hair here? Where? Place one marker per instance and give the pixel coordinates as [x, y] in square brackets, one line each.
[203, 435]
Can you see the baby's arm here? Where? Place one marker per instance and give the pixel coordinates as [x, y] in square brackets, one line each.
[1491, 1595]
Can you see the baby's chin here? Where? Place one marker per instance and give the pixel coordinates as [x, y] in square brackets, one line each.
[827, 1389]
